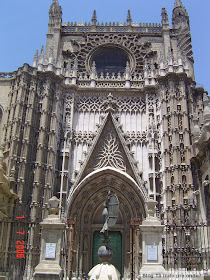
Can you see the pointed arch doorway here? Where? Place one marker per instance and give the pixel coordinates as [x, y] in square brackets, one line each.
[85, 204]
[115, 239]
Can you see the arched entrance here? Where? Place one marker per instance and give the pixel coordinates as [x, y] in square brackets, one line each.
[85, 204]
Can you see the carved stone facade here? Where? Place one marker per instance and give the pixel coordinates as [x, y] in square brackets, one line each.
[107, 103]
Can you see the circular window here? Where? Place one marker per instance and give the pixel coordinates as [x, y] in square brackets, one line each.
[109, 59]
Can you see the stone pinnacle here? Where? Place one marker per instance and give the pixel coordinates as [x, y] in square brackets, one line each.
[178, 3]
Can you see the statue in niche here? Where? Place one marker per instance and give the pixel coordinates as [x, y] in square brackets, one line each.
[85, 244]
[105, 214]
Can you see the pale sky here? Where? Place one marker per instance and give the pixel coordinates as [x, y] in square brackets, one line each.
[24, 26]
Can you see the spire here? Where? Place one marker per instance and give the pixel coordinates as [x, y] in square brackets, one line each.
[180, 18]
[164, 17]
[129, 19]
[35, 61]
[94, 18]
[178, 3]
[55, 12]
[41, 55]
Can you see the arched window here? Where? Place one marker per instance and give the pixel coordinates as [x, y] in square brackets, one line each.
[110, 60]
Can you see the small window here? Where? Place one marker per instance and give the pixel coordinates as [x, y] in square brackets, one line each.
[179, 108]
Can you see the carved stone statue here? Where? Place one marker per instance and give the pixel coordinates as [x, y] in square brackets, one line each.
[110, 214]
[105, 214]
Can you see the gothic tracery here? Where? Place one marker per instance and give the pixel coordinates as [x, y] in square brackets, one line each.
[110, 155]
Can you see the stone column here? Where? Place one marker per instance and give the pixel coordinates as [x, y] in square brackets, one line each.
[151, 230]
[51, 242]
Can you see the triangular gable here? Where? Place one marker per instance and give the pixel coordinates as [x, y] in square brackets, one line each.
[109, 149]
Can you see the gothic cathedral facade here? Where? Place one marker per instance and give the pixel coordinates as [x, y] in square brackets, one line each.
[105, 107]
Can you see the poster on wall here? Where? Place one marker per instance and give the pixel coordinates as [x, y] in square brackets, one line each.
[152, 253]
[50, 251]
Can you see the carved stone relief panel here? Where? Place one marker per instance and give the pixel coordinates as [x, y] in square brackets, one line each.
[84, 49]
[110, 154]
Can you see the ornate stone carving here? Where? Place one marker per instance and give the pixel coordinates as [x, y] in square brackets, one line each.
[122, 104]
[110, 104]
[135, 137]
[69, 100]
[89, 104]
[129, 42]
[84, 137]
[110, 154]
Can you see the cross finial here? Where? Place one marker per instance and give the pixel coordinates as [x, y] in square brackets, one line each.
[129, 19]
[94, 18]
[164, 17]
